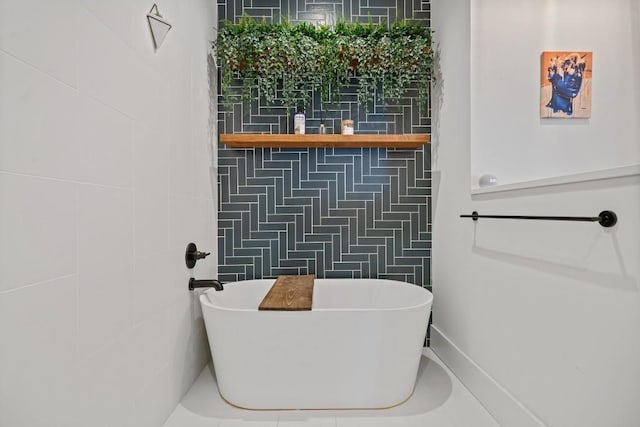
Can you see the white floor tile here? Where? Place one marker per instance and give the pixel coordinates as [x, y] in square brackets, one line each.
[436, 418]
[300, 419]
[465, 410]
[245, 423]
[373, 422]
[439, 400]
[182, 417]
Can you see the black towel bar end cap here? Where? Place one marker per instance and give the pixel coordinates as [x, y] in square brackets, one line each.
[607, 218]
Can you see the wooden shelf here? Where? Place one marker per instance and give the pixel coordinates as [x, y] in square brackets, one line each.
[256, 140]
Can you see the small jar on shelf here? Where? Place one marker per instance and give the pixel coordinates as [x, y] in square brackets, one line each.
[299, 124]
[347, 127]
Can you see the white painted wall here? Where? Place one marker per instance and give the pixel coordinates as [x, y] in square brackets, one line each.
[541, 320]
[508, 137]
[105, 155]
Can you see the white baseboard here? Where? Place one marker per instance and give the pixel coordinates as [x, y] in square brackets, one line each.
[501, 404]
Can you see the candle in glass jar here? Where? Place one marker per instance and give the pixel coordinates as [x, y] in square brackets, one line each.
[347, 127]
[298, 124]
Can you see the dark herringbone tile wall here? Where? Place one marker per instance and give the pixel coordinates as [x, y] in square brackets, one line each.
[353, 213]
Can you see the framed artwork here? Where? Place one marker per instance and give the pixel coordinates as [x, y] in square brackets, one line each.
[565, 84]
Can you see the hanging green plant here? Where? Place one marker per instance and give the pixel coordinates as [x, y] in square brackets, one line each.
[286, 63]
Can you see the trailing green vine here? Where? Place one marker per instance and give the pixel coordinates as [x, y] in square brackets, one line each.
[289, 62]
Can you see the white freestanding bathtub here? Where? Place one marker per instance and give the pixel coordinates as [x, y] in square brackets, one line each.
[359, 346]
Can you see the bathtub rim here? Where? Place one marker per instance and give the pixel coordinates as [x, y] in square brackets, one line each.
[205, 300]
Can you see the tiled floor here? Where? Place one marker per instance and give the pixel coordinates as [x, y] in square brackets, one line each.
[439, 400]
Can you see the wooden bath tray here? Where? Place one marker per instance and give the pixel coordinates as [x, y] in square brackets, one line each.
[289, 293]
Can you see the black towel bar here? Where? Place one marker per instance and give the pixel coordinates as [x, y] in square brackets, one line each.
[605, 218]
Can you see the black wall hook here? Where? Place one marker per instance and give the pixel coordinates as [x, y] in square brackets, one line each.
[192, 254]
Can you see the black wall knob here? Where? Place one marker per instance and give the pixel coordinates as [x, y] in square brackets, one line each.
[607, 218]
[192, 254]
